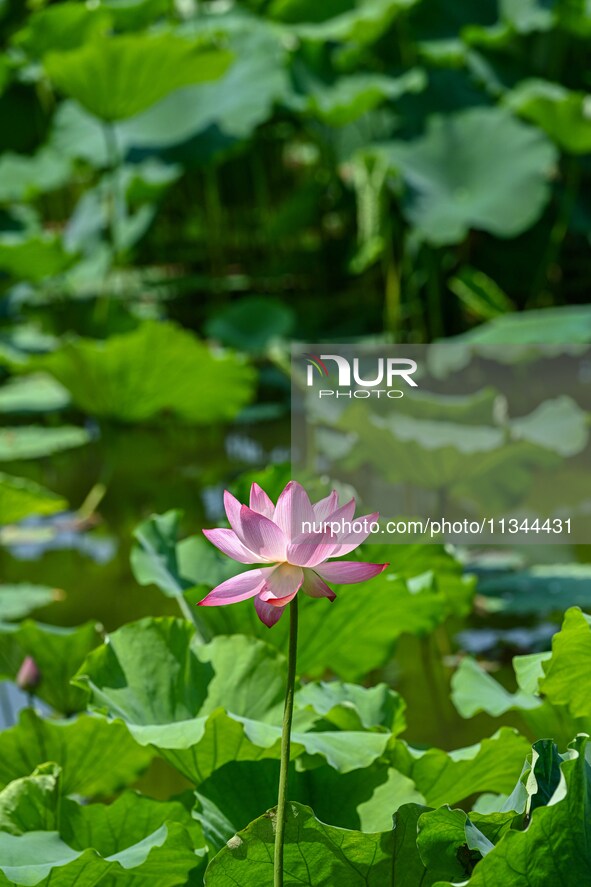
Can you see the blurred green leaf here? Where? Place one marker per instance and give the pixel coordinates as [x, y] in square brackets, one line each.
[35, 441]
[251, 324]
[113, 78]
[37, 393]
[564, 115]
[20, 498]
[34, 259]
[457, 176]
[565, 325]
[157, 368]
[62, 27]
[19, 600]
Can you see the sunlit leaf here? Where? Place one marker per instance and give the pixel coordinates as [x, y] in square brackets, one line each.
[203, 706]
[113, 78]
[97, 757]
[157, 368]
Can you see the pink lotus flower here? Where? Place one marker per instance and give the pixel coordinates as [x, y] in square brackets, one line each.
[272, 534]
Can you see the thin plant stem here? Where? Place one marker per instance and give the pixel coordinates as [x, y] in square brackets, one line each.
[201, 631]
[285, 744]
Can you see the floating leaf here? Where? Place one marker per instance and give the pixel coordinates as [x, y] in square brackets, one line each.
[457, 177]
[542, 588]
[565, 325]
[17, 601]
[37, 393]
[113, 78]
[154, 369]
[33, 442]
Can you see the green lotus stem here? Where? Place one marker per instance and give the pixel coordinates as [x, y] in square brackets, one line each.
[285, 744]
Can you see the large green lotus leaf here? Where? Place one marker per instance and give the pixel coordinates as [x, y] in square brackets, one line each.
[543, 588]
[33, 442]
[474, 690]
[58, 653]
[19, 600]
[363, 799]
[555, 845]
[559, 424]
[567, 678]
[37, 393]
[97, 757]
[562, 114]
[450, 777]
[63, 27]
[34, 259]
[349, 97]
[24, 178]
[314, 854]
[48, 839]
[20, 497]
[236, 103]
[563, 326]
[202, 705]
[457, 175]
[113, 78]
[154, 369]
